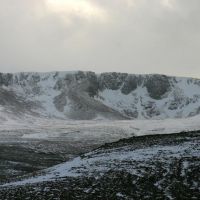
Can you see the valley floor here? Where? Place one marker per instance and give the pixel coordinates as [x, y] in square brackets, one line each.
[27, 146]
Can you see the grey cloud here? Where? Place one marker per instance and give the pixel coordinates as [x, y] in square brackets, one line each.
[140, 37]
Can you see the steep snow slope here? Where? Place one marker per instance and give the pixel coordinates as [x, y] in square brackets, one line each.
[86, 95]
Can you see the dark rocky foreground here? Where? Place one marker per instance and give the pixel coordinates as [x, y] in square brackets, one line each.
[18, 159]
[160, 167]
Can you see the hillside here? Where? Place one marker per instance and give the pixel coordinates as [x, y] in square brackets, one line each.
[86, 95]
[147, 167]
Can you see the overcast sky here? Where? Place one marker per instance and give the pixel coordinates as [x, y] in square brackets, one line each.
[135, 36]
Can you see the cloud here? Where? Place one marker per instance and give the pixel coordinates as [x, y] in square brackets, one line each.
[136, 36]
[168, 4]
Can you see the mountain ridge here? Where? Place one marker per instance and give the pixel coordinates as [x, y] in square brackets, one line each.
[85, 95]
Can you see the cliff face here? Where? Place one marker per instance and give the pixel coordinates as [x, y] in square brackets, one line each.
[86, 95]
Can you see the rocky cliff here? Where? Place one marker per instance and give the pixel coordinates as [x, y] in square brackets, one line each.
[86, 95]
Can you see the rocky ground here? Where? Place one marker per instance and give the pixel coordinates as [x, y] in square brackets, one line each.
[18, 159]
[147, 167]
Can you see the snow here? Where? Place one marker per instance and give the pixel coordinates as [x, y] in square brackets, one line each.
[134, 101]
[40, 128]
[119, 194]
[185, 93]
[97, 132]
[189, 89]
[185, 90]
[102, 162]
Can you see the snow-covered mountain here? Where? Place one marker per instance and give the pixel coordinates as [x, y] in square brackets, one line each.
[86, 95]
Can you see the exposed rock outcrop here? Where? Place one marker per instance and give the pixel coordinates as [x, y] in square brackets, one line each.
[86, 95]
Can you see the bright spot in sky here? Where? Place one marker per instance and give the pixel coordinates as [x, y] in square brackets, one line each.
[82, 8]
[168, 3]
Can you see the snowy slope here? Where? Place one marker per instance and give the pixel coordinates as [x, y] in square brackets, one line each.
[181, 101]
[86, 95]
[151, 165]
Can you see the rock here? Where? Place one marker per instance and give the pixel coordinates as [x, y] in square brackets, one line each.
[130, 84]
[111, 81]
[157, 86]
